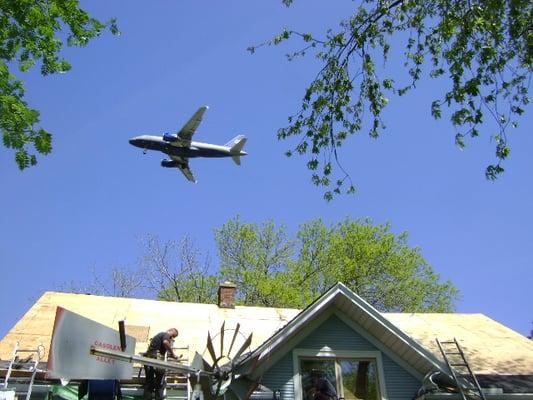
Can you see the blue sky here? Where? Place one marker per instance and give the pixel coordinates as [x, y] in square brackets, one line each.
[88, 203]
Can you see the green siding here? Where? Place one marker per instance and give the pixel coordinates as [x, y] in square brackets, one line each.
[335, 334]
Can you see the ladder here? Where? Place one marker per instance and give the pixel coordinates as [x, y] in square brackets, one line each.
[39, 352]
[455, 358]
[179, 378]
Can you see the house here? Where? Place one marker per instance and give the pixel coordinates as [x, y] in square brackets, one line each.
[339, 339]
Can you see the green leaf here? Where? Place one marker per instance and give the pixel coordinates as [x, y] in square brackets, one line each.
[435, 109]
[387, 83]
[479, 52]
[32, 32]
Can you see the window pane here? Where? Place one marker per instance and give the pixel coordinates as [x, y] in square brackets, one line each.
[359, 379]
[318, 379]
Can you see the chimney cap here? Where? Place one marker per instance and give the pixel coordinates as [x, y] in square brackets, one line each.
[228, 284]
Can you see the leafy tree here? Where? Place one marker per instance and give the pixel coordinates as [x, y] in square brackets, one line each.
[272, 270]
[252, 256]
[483, 48]
[33, 31]
[372, 261]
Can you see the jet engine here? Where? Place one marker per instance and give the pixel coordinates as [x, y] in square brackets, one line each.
[167, 137]
[169, 163]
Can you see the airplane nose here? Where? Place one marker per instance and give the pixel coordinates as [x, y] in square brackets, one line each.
[134, 141]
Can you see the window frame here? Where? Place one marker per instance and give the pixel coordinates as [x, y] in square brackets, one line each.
[327, 353]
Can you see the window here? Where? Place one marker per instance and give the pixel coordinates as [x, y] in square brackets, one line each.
[319, 379]
[325, 375]
[359, 379]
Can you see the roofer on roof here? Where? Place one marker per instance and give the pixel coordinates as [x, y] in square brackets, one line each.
[155, 377]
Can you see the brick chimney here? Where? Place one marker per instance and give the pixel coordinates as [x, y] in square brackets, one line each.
[226, 295]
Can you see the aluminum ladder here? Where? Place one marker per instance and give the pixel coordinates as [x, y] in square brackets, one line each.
[179, 378]
[458, 360]
[39, 351]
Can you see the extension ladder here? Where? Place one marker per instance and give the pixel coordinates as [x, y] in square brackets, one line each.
[458, 360]
[180, 379]
[39, 351]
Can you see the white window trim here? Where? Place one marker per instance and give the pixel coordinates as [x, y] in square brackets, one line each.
[326, 352]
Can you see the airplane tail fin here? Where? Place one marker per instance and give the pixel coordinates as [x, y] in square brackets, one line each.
[236, 144]
[236, 159]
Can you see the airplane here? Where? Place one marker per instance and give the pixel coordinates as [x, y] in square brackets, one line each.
[180, 147]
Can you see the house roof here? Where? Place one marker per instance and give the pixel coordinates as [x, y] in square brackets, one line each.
[490, 347]
[144, 319]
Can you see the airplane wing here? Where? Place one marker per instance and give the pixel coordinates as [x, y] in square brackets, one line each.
[183, 166]
[185, 133]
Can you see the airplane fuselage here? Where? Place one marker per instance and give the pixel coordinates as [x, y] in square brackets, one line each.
[179, 146]
[196, 149]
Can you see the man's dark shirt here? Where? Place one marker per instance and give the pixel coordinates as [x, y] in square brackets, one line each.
[156, 344]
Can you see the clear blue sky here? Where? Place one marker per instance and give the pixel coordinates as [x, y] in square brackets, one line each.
[87, 203]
